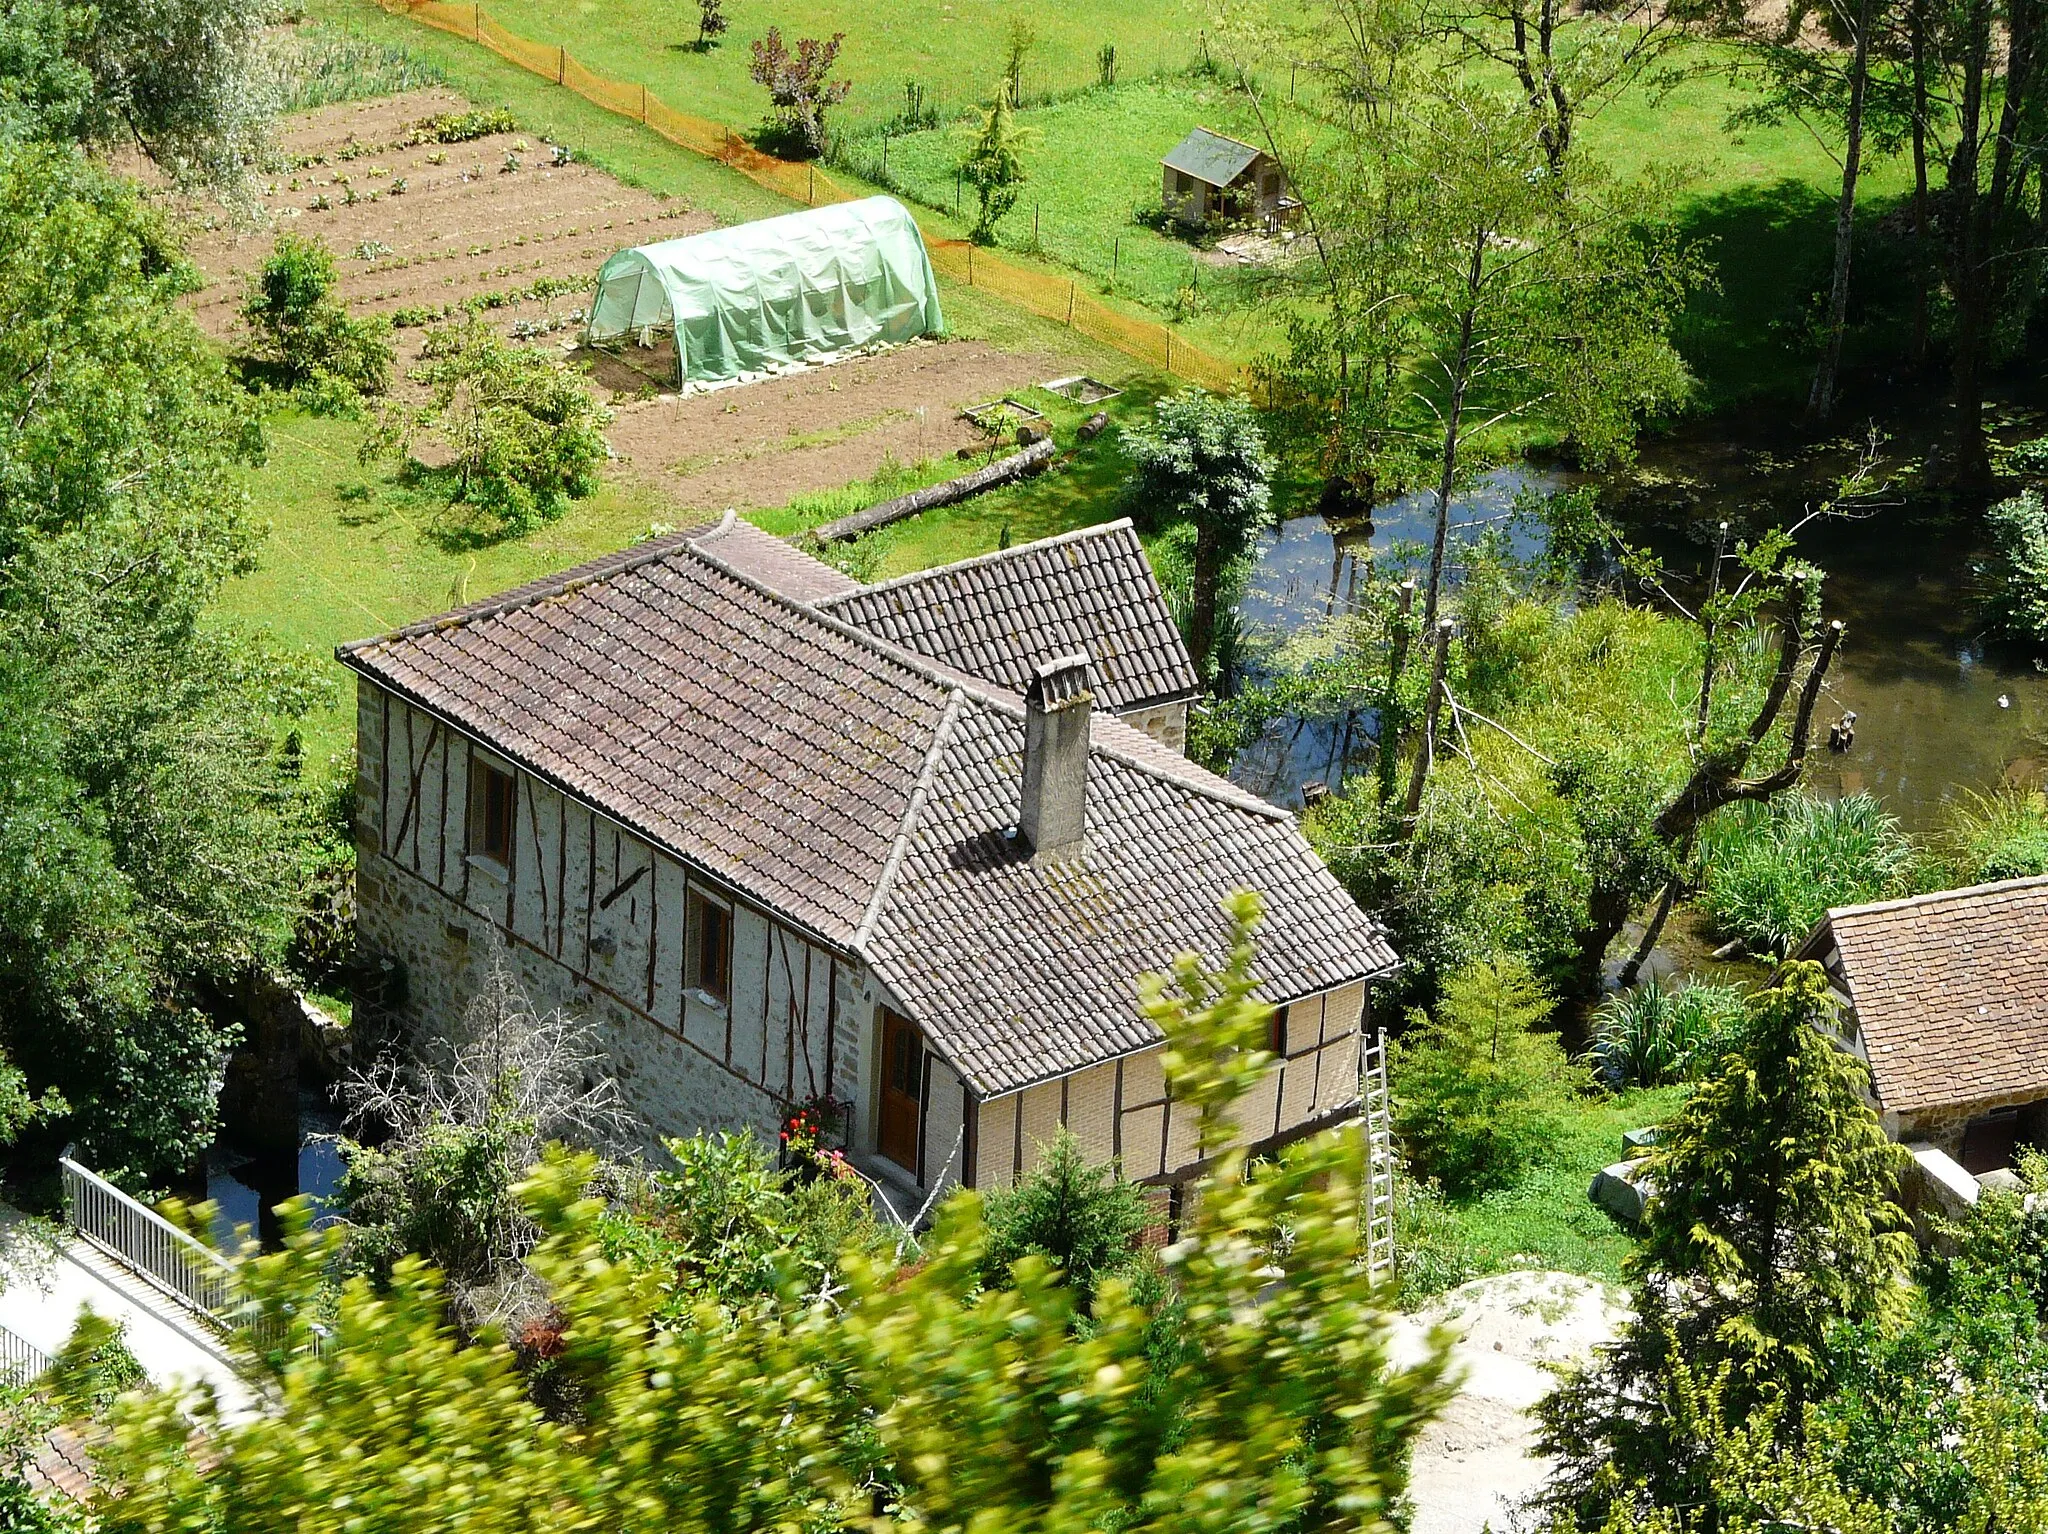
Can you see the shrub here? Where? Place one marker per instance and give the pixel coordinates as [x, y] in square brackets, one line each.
[526, 433]
[94, 1366]
[726, 1223]
[1085, 1220]
[331, 357]
[1651, 1037]
[1773, 870]
[799, 92]
[2001, 835]
[1476, 1089]
[2015, 572]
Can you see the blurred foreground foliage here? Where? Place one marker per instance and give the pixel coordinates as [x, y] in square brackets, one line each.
[907, 1397]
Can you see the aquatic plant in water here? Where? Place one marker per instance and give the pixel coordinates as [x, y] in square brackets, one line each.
[1773, 870]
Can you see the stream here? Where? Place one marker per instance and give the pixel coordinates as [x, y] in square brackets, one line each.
[1937, 710]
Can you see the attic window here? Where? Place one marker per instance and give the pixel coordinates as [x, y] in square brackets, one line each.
[710, 951]
[493, 811]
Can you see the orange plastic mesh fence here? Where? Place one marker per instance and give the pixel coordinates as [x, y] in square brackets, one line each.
[1043, 293]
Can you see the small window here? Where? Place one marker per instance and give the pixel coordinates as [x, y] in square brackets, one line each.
[1183, 183]
[710, 947]
[1272, 184]
[493, 811]
[1277, 1042]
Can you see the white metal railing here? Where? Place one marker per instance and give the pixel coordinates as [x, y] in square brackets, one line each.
[1377, 1110]
[21, 1361]
[145, 1242]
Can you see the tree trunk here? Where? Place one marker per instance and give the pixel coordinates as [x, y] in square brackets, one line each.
[1923, 254]
[1425, 753]
[1717, 782]
[1820, 400]
[1453, 417]
[1392, 725]
[1208, 578]
[1969, 275]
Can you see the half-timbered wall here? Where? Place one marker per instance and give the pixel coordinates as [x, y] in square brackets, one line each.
[1120, 1110]
[593, 918]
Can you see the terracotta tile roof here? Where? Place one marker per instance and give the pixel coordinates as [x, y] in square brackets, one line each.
[1019, 972]
[1950, 992]
[864, 793]
[775, 562]
[998, 616]
[733, 728]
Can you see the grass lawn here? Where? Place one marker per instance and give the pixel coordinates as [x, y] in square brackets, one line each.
[1546, 1220]
[1093, 162]
[954, 49]
[1761, 198]
[352, 553]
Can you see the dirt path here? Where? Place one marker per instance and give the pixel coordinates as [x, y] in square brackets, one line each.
[1475, 1465]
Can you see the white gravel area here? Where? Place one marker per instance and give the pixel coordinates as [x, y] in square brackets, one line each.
[1474, 1465]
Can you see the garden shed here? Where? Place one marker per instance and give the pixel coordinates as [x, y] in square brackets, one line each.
[763, 295]
[1211, 178]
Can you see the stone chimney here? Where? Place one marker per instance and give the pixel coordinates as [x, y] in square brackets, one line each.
[1057, 705]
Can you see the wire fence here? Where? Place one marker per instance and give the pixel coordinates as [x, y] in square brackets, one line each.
[1046, 294]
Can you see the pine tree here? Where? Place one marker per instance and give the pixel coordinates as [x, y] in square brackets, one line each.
[1475, 1086]
[1772, 1219]
[1085, 1220]
[994, 167]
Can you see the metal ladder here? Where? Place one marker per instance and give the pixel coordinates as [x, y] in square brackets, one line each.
[1377, 1112]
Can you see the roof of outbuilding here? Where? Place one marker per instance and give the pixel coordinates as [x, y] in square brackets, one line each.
[1211, 158]
[864, 792]
[1950, 992]
[997, 616]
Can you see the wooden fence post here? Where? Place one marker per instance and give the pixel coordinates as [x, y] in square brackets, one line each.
[1169, 351]
[970, 263]
[562, 66]
[479, 13]
[1070, 305]
[643, 106]
[811, 197]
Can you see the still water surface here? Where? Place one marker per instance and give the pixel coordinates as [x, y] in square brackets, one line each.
[1938, 710]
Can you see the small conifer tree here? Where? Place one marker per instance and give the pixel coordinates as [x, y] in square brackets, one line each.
[994, 167]
[1476, 1087]
[1772, 1220]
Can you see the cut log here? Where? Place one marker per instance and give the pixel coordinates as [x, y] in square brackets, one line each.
[1002, 471]
[1092, 427]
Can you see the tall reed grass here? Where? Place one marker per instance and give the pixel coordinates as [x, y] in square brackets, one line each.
[1773, 870]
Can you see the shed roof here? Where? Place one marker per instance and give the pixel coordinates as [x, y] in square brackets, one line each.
[1950, 991]
[866, 793]
[1212, 158]
[998, 616]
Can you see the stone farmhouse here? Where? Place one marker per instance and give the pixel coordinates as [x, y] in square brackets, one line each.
[1945, 996]
[907, 846]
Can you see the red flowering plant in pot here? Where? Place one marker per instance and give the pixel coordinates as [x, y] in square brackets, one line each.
[808, 1136]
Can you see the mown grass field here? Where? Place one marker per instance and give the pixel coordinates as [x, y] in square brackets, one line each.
[1545, 1220]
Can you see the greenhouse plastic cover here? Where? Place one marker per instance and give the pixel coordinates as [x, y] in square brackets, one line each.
[766, 294]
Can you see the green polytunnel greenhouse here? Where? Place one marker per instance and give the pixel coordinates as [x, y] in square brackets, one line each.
[766, 294]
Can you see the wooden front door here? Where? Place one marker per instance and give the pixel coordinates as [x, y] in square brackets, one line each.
[902, 1089]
